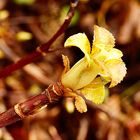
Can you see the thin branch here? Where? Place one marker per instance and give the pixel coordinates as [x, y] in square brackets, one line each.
[31, 69]
[34, 104]
[44, 48]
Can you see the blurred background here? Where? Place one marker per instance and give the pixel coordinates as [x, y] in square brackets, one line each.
[24, 24]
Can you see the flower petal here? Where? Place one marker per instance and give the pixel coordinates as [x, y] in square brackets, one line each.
[102, 55]
[81, 41]
[114, 54]
[95, 91]
[99, 54]
[102, 38]
[117, 70]
[80, 75]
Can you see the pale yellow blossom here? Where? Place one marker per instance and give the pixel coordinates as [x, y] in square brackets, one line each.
[101, 64]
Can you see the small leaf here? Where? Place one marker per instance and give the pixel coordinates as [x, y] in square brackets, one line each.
[66, 64]
[80, 104]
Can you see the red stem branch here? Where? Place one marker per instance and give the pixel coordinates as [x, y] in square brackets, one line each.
[51, 95]
[44, 48]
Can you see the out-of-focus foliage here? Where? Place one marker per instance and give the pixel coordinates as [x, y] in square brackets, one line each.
[4, 14]
[23, 36]
[75, 18]
[24, 2]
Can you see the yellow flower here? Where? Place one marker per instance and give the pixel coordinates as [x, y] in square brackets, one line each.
[101, 64]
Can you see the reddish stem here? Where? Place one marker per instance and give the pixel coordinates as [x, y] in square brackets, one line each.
[43, 48]
[8, 117]
[19, 64]
[51, 95]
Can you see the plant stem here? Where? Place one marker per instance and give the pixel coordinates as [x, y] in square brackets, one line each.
[34, 104]
[44, 48]
[31, 69]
